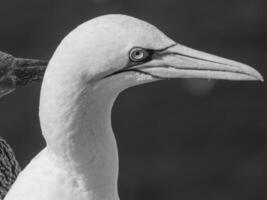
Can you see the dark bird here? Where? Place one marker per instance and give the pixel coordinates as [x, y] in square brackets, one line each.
[19, 71]
[14, 72]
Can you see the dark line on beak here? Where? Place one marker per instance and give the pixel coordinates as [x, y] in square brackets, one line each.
[193, 69]
[147, 73]
[135, 70]
[166, 48]
[160, 56]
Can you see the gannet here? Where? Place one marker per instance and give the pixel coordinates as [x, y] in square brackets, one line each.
[88, 70]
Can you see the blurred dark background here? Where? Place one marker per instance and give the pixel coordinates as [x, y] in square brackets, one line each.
[183, 139]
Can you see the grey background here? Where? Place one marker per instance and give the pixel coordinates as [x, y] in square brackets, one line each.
[178, 139]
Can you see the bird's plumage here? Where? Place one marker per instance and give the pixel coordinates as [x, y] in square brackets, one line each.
[91, 66]
[9, 168]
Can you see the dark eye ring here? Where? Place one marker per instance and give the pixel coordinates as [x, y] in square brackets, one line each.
[138, 54]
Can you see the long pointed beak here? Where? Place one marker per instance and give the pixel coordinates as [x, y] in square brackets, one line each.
[179, 61]
[19, 71]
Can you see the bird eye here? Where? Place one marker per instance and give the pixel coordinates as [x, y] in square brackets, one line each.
[138, 54]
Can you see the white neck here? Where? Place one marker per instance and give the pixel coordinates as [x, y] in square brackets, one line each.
[76, 123]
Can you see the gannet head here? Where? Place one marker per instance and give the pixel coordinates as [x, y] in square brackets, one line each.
[93, 64]
[120, 51]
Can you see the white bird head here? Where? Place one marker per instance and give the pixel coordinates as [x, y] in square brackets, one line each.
[122, 51]
[90, 67]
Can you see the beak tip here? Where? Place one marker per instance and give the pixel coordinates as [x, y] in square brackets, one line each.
[257, 76]
[252, 72]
